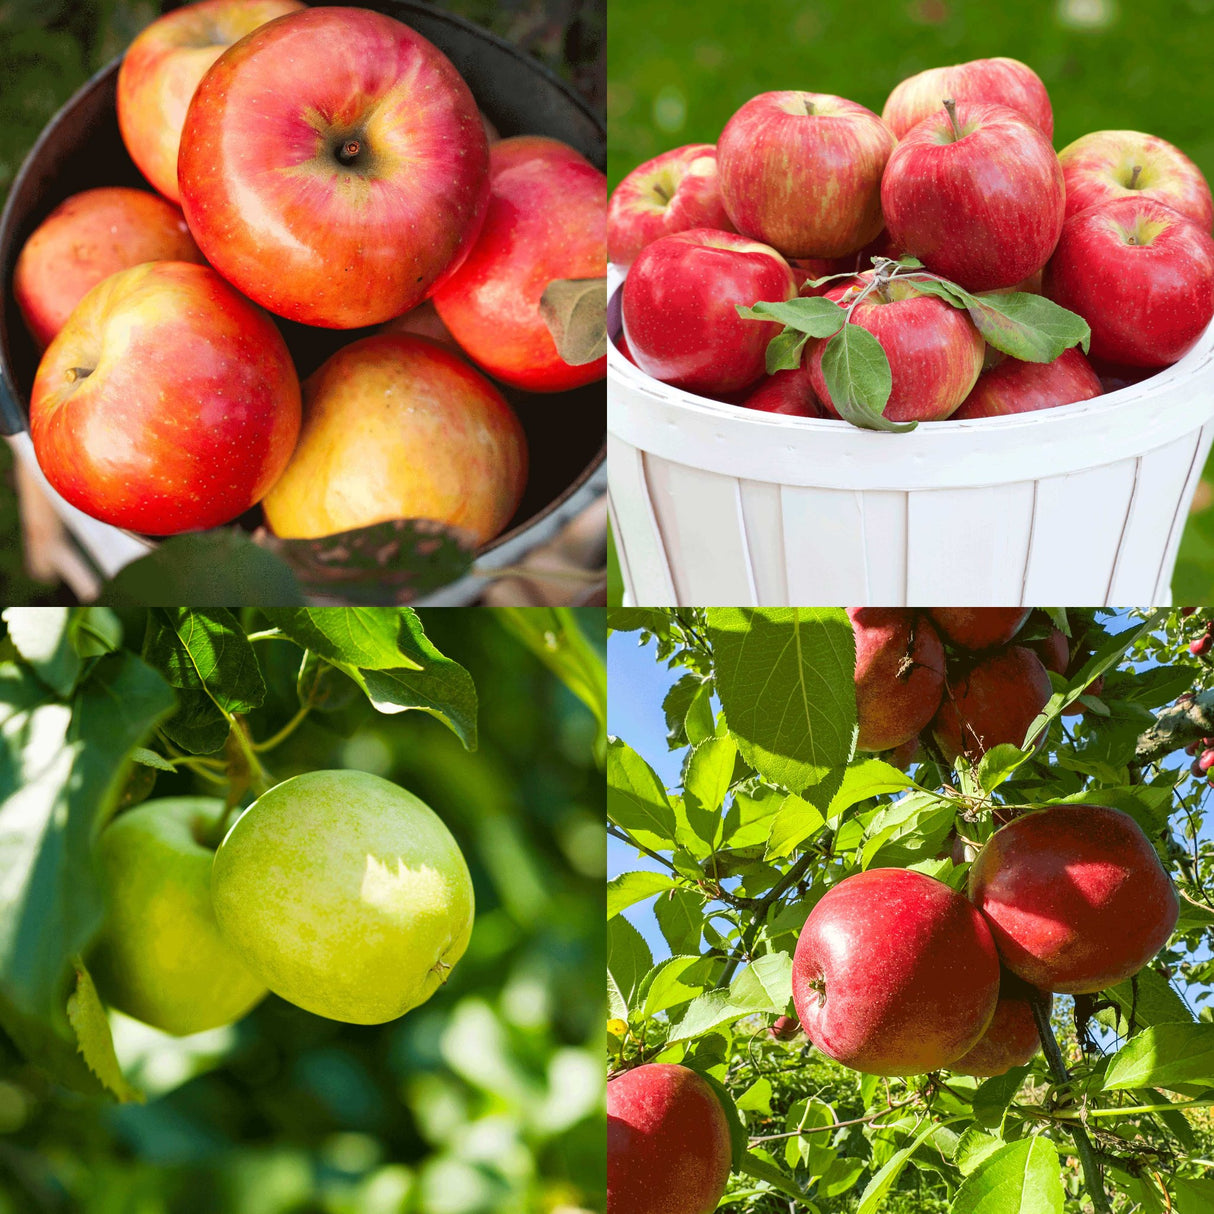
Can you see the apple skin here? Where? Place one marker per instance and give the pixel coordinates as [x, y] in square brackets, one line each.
[679, 313]
[984, 211]
[1140, 274]
[997, 81]
[893, 704]
[162, 68]
[1012, 1039]
[1012, 386]
[802, 172]
[334, 167]
[994, 701]
[345, 894]
[545, 222]
[935, 353]
[1053, 649]
[788, 392]
[188, 409]
[159, 955]
[1100, 166]
[87, 238]
[894, 973]
[397, 427]
[423, 321]
[1075, 896]
[673, 192]
[784, 1028]
[978, 628]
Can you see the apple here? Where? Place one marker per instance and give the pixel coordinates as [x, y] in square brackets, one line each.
[1120, 164]
[545, 225]
[899, 675]
[167, 403]
[977, 628]
[159, 955]
[894, 973]
[935, 353]
[1053, 649]
[997, 81]
[787, 392]
[802, 172]
[397, 427]
[668, 1143]
[784, 1028]
[679, 309]
[978, 198]
[333, 167]
[1012, 1039]
[1094, 688]
[422, 321]
[87, 238]
[345, 894]
[673, 192]
[1075, 896]
[1140, 274]
[991, 702]
[1012, 386]
[162, 68]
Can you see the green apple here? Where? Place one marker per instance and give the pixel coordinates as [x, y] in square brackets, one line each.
[160, 956]
[345, 894]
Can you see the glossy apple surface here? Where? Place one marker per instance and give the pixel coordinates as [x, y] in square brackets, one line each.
[167, 403]
[978, 628]
[894, 973]
[802, 172]
[1012, 1039]
[86, 238]
[333, 167]
[673, 192]
[545, 223]
[981, 203]
[397, 427]
[1012, 386]
[787, 392]
[1075, 896]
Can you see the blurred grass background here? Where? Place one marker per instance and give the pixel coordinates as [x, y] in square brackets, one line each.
[678, 69]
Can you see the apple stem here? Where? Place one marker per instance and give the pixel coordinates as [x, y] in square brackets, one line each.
[809, 106]
[75, 373]
[661, 193]
[1133, 182]
[950, 108]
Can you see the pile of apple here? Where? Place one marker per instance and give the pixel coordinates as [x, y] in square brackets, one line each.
[958, 178]
[330, 166]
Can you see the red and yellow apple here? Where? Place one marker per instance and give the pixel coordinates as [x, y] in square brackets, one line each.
[1012, 386]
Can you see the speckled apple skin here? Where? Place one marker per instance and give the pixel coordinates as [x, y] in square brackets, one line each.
[978, 628]
[1012, 1039]
[1013, 386]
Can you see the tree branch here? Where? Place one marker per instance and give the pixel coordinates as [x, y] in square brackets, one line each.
[1190, 719]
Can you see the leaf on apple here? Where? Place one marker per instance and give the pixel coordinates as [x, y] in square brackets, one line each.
[1028, 327]
[575, 311]
[814, 316]
[858, 378]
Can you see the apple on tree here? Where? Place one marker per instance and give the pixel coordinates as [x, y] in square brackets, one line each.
[978, 628]
[1012, 1039]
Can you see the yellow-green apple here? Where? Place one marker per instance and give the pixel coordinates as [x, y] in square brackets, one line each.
[546, 224]
[87, 238]
[333, 167]
[899, 675]
[1114, 164]
[668, 1144]
[802, 172]
[992, 701]
[1012, 1039]
[167, 403]
[935, 353]
[1012, 386]
[673, 192]
[894, 973]
[1140, 274]
[1075, 897]
[679, 308]
[788, 392]
[978, 628]
[997, 81]
[160, 956]
[162, 68]
[397, 427]
[975, 191]
[345, 894]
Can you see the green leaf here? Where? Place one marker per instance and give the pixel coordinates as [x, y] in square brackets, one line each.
[149, 758]
[628, 888]
[636, 799]
[873, 1197]
[1150, 998]
[859, 381]
[784, 351]
[666, 986]
[759, 1168]
[1163, 1056]
[757, 1097]
[992, 1096]
[814, 316]
[628, 961]
[704, 1013]
[44, 637]
[87, 1017]
[765, 985]
[680, 916]
[1019, 1178]
[708, 776]
[973, 1147]
[1028, 327]
[950, 292]
[1191, 1195]
[738, 1140]
[795, 821]
[574, 310]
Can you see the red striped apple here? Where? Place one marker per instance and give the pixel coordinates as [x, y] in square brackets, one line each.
[1012, 386]
[788, 392]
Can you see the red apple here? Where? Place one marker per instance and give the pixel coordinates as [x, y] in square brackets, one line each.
[1075, 896]
[785, 1028]
[1140, 274]
[680, 315]
[162, 68]
[1120, 164]
[788, 392]
[994, 701]
[894, 973]
[1094, 688]
[899, 675]
[545, 224]
[979, 201]
[977, 628]
[668, 1144]
[802, 172]
[673, 192]
[991, 81]
[167, 403]
[935, 353]
[1012, 386]
[87, 238]
[1012, 1039]
[333, 167]
[397, 427]
[1053, 649]
[422, 321]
